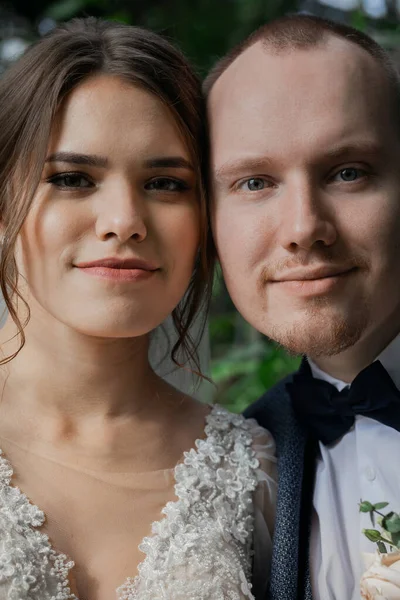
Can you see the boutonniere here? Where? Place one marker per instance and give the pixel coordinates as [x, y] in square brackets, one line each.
[381, 580]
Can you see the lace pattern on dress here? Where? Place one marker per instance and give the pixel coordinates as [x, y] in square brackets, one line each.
[201, 550]
[29, 567]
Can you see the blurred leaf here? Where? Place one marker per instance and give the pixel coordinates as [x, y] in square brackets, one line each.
[381, 505]
[392, 523]
[276, 365]
[359, 20]
[382, 548]
[121, 17]
[227, 369]
[366, 506]
[372, 534]
[66, 9]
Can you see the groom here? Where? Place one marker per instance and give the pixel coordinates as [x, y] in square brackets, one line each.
[305, 133]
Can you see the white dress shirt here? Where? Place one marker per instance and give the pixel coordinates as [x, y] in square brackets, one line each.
[362, 465]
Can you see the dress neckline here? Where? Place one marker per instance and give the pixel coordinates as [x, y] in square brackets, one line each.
[30, 517]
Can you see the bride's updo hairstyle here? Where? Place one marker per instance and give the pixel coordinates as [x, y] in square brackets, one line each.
[31, 92]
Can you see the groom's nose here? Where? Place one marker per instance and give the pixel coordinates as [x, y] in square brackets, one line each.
[306, 218]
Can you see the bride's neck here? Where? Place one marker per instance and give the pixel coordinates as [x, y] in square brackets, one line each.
[62, 372]
[92, 402]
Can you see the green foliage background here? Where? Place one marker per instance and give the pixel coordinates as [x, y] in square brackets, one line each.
[244, 364]
[204, 29]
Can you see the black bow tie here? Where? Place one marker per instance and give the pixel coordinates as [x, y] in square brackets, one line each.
[328, 414]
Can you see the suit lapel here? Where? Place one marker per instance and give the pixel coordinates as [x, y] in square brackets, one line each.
[290, 577]
[306, 511]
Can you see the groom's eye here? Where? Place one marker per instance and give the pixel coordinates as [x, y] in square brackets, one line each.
[349, 175]
[255, 184]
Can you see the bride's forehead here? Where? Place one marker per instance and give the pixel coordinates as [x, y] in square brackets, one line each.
[110, 111]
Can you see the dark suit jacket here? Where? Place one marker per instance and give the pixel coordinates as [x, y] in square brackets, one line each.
[290, 577]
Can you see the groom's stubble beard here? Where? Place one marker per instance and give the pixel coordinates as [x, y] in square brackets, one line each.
[320, 333]
[320, 328]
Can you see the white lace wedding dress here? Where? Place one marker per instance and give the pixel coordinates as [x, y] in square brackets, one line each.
[201, 549]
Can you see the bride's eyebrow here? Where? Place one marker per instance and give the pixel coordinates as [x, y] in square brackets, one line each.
[92, 160]
[174, 162]
[74, 158]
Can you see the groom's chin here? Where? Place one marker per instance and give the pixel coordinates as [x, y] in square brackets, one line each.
[317, 335]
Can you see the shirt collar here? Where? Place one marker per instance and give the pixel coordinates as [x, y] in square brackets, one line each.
[390, 359]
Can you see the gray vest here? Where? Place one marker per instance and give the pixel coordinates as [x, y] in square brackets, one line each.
[290, 576]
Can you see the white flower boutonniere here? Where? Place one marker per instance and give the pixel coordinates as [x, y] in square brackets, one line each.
[381, 580]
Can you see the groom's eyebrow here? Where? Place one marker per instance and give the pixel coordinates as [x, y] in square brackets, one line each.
[362, 147]
[256, 165]
[240, 167]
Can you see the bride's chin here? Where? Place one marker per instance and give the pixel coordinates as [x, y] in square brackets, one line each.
[114, 330]
[100, 323]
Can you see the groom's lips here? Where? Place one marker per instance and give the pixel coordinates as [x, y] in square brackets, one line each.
[312, 282]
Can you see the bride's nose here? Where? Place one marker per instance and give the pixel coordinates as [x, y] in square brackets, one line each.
[121, 214]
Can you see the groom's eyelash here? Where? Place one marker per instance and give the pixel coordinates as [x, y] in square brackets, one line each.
[239, 186]
[232, 171]
[337, 167]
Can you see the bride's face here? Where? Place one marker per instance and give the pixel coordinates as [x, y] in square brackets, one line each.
[118, 185]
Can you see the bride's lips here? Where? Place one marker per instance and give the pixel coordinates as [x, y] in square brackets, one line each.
[117, 269]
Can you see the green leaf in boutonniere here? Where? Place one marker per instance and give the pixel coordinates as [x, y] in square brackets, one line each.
[396, 539]
[381, 547]
[389, 523]
[372, 534]
[380, 505]
[366, 507]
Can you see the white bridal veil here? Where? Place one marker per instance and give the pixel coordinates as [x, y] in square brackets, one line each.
[163, 339]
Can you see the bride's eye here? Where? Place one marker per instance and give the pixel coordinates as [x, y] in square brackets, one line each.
[71, 181]
[167, 184]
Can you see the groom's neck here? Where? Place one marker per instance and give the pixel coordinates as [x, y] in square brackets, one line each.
[346, 365]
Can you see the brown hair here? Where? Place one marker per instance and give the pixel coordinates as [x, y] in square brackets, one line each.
[31, 92]
[301, 32]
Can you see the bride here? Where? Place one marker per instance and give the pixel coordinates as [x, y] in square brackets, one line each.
[113, 484]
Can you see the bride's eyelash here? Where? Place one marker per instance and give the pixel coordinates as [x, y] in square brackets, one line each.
[69, 180]
[178, 184]
[60, 180]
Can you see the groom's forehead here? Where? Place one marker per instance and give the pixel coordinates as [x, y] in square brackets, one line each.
[266, 88]
[262, 67]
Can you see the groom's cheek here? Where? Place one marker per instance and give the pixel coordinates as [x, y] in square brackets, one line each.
[242, 247]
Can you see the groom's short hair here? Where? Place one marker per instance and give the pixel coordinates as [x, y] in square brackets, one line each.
[302, 32]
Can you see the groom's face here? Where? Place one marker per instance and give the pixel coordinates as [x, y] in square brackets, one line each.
[306, 194]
